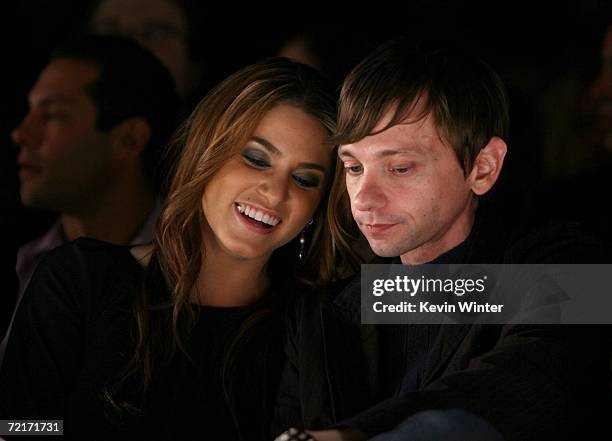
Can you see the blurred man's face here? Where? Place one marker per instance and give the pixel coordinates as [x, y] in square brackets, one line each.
[601, 91]
[64, 160]
[158, 25]
[408, 192]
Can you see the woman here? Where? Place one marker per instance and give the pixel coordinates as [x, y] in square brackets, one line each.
[185, 334]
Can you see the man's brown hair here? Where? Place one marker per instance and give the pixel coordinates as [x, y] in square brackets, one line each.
[464, 95]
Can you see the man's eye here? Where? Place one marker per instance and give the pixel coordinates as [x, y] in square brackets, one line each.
[306, 181]
[353, 169]
[52, 115]
[400, 170]
[158, 33]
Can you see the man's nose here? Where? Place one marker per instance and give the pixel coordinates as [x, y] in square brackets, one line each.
[367, 194]
[27, 133]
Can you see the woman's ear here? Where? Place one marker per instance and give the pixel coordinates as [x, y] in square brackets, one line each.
[487, 166]
[130, 137]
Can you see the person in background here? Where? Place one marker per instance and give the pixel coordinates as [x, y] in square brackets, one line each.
[9, 282]
[327, 47]
[90, 145]
[599, 98]
[564, 197]
[163, 27]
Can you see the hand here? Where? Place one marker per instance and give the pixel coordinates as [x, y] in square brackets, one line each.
[338, 435]
[294, 434]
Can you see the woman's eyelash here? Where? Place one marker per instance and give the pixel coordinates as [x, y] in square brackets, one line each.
[306, 182]
[256, 162]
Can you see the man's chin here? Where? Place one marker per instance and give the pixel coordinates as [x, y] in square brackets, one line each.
[27, 199]
[382, 251]
[35, 201]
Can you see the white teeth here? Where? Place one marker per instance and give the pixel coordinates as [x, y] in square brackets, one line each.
[253, 213]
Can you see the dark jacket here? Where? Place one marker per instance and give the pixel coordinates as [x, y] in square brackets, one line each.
[531, 382]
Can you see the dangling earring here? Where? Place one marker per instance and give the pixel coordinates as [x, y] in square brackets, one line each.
[303, 240]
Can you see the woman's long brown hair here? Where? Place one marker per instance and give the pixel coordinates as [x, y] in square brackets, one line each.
[218, 128]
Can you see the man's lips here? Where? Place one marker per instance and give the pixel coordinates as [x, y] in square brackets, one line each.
[26, 169]
[29, 163]
[377, 228]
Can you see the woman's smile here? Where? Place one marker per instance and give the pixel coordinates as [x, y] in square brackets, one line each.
[256, 219]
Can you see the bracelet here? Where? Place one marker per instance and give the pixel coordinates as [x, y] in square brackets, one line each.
[294, 434]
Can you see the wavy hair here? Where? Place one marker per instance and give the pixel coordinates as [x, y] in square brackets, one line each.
[463, 93]
[221, 124]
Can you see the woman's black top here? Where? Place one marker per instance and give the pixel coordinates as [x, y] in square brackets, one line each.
[74, 333]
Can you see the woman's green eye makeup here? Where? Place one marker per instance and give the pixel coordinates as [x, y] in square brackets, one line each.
[258, 159]
[255, 157]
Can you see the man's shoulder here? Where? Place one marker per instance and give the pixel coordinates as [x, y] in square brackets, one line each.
[88, 259]
[53, 245]
[31, 251]
[499, 237]
[86, 273]
[563, 242]
[85, 248]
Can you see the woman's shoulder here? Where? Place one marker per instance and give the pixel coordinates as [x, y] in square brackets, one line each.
[307, 298]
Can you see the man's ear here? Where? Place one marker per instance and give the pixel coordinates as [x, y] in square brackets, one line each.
[130, 137]
[487, 166]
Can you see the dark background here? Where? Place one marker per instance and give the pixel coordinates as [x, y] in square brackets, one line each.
[547, 57]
